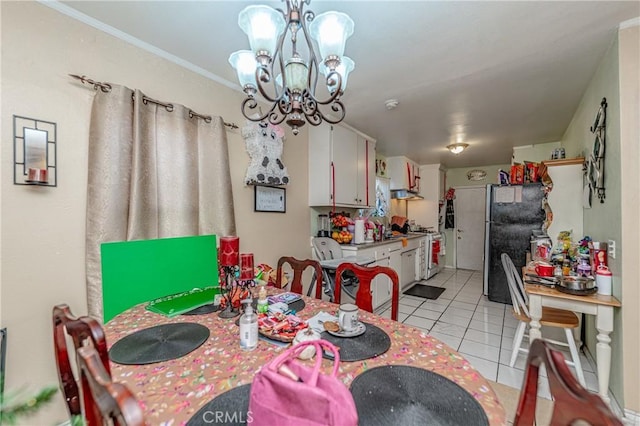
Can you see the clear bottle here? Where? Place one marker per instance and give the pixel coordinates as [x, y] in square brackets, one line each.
[248, 327]
[263, 305]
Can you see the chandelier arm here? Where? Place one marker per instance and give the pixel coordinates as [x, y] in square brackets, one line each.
[263, 70]
[338, 108]
[335, 96]
[249, 105]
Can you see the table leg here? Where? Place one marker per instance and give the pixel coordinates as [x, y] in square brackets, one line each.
[535, 311]
[604, 325]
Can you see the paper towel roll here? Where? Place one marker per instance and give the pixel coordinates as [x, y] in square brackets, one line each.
[358, 237]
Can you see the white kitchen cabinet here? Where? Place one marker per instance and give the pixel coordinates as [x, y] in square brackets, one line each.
[385, 255]
[341, 167]
[404, 173]
[425, 212]
[565, 199]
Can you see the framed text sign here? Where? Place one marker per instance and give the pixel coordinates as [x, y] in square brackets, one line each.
[270, 199]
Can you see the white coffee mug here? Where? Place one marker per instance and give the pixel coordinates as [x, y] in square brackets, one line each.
[348, 317]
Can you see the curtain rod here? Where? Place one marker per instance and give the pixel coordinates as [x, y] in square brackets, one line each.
[106, 88]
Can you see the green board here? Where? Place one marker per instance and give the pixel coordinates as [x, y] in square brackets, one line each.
[140, 271]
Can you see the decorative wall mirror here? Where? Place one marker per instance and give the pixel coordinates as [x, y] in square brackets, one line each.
[34, 152]
[594, 172]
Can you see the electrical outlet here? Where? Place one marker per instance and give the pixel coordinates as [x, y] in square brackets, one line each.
[611, 246]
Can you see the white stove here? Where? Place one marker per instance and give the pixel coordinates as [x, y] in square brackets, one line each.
[434, 254]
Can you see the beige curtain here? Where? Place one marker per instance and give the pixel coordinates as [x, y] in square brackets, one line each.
[153, 173]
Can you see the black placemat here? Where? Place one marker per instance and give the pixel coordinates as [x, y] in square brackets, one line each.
[159, 343]
[232, 405]
[203, 310]
[426, 291]
[372, 343]
[406, 396]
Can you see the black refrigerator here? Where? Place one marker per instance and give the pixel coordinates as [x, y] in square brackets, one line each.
[513, 213]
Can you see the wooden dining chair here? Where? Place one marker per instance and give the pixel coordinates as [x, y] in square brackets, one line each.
[83, 331]
[365, 275]
[572, 402]
[551, 317]
[104, 401]
[299, 267]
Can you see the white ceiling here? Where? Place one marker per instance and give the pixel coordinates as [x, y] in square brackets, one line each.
[493, 74]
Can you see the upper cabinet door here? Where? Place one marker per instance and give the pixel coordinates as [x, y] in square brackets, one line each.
[344, 143]
[366, 172]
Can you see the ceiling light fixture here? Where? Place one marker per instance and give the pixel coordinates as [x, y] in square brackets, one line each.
[457, 148]
[293, 91]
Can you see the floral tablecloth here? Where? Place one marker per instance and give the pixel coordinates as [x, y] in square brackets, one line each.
[172, 392]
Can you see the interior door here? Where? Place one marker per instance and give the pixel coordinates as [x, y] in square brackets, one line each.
[469, 208]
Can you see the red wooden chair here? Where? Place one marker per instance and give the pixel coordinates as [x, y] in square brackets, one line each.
[105, 401]
[298, 267]
[572, 402]
[82, 331]
[365, 274]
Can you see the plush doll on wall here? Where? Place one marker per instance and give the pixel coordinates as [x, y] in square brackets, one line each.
[264, 145]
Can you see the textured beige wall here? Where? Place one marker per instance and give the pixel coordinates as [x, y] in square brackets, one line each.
[629, 49]
[43, 228]
[604, 220]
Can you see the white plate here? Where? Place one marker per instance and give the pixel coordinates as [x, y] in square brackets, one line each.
[359, 330]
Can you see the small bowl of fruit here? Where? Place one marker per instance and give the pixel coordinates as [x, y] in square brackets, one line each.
[342, 237]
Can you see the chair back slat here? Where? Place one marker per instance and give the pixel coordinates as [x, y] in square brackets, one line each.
[299, 267]
[104, 401]
[327, 248]
[83, 331]
[365, 275]
[572, 402]
[519, 297]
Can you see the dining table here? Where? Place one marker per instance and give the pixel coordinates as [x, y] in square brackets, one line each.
[171, 392]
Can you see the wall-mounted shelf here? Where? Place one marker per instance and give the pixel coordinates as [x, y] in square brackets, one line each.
[564, 162]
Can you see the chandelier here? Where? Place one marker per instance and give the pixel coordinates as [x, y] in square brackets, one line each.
[279, 71]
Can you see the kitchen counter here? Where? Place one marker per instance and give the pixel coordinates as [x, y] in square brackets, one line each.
[398, 239]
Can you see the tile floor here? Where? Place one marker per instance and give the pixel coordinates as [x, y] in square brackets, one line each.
[479, 329]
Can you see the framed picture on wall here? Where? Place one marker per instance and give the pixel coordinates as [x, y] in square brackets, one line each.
[270, 199]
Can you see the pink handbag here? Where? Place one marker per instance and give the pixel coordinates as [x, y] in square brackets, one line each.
[284, 392]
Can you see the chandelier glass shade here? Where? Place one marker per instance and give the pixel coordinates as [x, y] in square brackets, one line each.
[457, 148]
[287, 77]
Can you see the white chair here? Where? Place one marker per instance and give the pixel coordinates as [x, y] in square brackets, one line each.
[551, 317]
[326, 248]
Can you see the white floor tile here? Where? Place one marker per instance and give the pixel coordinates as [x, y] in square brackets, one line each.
[452, 341]
[480, 350]
[488, 318]
[423, 323]
[411, 302]
[434, 305]
[454, 319]
[490, 310]
[486, 327]
[463, 305]
[450, 329]
[466, 298]
[510, 376]
[459, 312]
[507, 342]
[410, 297]
[406, 309]
[401, 316]
[427, 313]
[486, 302]
[488, 369]
[510, 332]
[482, 337]
[505, 358]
